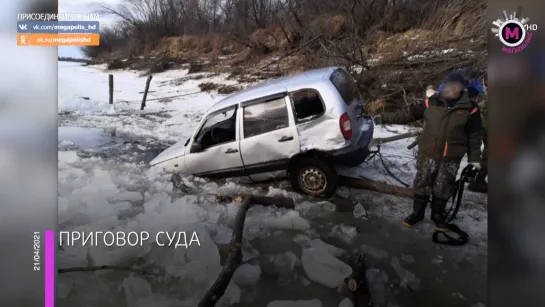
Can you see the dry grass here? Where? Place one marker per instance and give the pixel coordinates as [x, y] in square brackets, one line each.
[376, 107]
[208, 86]
[273, 38]
[408, 41]
[228, 89]
[210, 46]
[329, 25]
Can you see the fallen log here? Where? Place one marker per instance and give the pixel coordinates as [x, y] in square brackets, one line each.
[376, 186]
[234, 258]
[358, 285]
[398, 137]
[104, 267]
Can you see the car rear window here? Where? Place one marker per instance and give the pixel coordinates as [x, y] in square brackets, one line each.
[345, 84]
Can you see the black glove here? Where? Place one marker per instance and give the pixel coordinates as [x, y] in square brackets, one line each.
[377, 120]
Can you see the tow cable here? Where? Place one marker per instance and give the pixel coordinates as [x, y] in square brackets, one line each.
[467, 174]
[377, 152]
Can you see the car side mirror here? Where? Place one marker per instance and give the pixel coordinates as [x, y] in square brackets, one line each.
[196, 147]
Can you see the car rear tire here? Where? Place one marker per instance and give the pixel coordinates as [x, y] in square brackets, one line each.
[314, 177]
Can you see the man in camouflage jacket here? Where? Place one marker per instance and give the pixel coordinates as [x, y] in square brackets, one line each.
[477, 93]
[452, 129]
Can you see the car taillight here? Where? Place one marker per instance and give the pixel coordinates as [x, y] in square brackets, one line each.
[346, 127]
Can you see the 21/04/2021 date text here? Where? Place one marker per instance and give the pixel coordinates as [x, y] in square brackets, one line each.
[36, 251]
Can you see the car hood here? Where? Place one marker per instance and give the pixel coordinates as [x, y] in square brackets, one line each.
[170, 153]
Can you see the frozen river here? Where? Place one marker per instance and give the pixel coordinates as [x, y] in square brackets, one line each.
[106, 185]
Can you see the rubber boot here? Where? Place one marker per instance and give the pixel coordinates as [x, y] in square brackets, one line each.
[438, 213]
[419, 211]
[478, 184]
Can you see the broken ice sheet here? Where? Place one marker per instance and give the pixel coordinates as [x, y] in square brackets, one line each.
[333, 250]
[288, 220]
[374, 252]
[90, 288]
[301, 303]
[306, 242]
[125, 196]
[343, 192]
[64, 286]
[249, 252]
[408, 279]
[137, 292]
[345, 233]
[407, 258]
[279, 264]
[286, 263]
[315, 209]
[222, 235]
[437, 260]
[377, 285]
[232, 295]
[304, 281]
[247, 275]
[323, 268]
[302, 240]
[359, 211]
[346, 303]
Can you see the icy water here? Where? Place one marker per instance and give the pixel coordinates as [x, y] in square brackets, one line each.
[406, 268]
[105, 184]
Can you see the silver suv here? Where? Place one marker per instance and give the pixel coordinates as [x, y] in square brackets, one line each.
[298, 127]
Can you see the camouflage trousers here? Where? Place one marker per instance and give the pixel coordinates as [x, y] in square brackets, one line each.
[435, 176]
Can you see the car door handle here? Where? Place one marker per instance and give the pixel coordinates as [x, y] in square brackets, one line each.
[285, 138]
[230, 151]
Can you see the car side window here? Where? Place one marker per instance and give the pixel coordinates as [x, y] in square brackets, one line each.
[218, 129]
[307, 105]
[265, 117]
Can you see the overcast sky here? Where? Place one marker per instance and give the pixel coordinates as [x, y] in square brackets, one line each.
[83, 6]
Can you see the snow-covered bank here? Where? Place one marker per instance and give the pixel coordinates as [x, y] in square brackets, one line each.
[105, 185]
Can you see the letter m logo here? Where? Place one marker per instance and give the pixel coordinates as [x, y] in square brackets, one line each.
[512, 33]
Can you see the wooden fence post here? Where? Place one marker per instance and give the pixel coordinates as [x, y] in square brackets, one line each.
[111, 87]
[145, 93]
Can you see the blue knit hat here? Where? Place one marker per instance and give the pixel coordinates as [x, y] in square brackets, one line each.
[455, 77]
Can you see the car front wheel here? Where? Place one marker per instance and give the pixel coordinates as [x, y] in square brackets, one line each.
[314, 177]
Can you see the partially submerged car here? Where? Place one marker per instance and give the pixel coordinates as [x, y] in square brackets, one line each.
[299, 127]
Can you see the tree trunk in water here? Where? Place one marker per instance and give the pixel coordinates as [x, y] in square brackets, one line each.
[234, 257]
[377, 186]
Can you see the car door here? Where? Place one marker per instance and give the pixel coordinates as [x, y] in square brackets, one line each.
[268, 137]
[214, 150]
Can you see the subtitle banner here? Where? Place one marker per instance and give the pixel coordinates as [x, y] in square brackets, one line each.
[58, 33]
